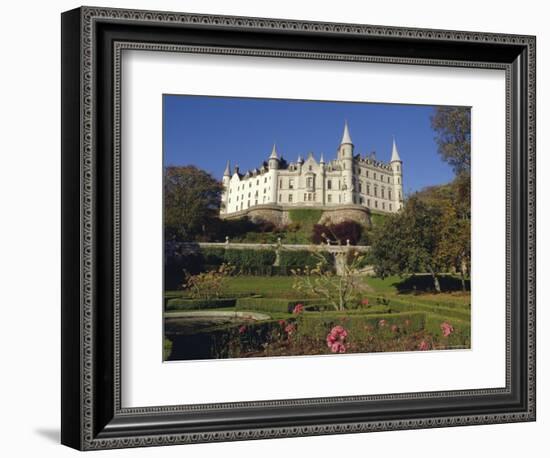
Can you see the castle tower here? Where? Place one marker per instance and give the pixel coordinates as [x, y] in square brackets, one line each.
[397, 168]
[225, 182]
[273, 165]
[345, 154]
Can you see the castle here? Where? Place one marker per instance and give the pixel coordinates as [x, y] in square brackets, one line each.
[348, 187]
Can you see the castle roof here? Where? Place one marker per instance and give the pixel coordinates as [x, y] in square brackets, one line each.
[346, 138]
[227, 171]
[394, 152]
[274, 154]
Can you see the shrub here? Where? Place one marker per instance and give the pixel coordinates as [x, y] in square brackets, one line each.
[213, 256]
[198, 304]
[176, 264]
[251, 262]
[302, 259]
[207, 285]
[337, 233]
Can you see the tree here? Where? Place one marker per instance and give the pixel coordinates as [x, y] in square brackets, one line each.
[192, 199]
[340, 290]
[407, 242]
[452, 128]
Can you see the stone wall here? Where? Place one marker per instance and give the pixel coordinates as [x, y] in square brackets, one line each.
[280, 215]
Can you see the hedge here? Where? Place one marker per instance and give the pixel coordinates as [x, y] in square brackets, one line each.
[301, 259]
[267, 304]
[198, 304]
[251, 262]
[461, 334]
[455, 312]
[357, 325]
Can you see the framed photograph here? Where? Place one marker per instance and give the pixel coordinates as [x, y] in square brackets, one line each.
[277, 228]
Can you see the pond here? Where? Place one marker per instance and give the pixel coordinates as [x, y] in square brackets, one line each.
[206, 334]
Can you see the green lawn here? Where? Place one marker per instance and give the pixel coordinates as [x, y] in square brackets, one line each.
[281, 286]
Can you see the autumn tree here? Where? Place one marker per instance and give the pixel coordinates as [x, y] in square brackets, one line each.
[452, 128]
[192, 199]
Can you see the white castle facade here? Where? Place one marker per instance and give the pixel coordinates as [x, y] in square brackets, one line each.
[350, 180]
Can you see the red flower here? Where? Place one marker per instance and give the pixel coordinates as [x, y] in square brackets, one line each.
[290, 329]
[242, 329]
[365, 301]
[446, 328]
[336, 339]
[424, 346]
[299, 308]
[282, 322]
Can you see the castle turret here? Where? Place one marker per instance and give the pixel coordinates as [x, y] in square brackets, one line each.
[345, 154]
[397, 168]
[225, 182]
[273, 162]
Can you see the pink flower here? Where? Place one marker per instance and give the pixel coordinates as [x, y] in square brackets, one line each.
[282, 323]
[338, 347]
[382, 323]
[394, 328]
[365, 301]
[424, 346]
[336, 339]
[446, 328]
[290, 329]
[242, 329]
[299, 308]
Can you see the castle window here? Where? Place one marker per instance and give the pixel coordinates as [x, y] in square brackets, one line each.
[368, 202]
[290, 183]
[310, 168]
[281, 183]
[398, 180]
[388, 179]
[375, 176]
[265, 180]
[382, 193]
[230, 200]
[329, 198]
[367, 173]
[368, 189]
[383, 206]
[376, 203]
[361, 200]
[389, 194]
[329, 184]
[256, 202]
[257, 182]
[280, 198]
[309, 182]
[247, 204]
[398, 168]
[390, 207]
[360, 187]
[250, 184]
[290, 197]
[248, 195]
[237, 198]
[375, 191]
[305, 197]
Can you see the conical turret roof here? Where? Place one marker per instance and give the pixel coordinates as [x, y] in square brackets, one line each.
[394, 152]
[346, 137]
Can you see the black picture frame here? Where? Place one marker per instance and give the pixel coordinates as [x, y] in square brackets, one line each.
[92, 416]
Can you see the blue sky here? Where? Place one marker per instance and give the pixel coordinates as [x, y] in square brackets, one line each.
[207, 131]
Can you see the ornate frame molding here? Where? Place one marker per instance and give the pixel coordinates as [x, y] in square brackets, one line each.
[85, 21]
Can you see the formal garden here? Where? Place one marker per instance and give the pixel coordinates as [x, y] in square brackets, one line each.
[238, 304]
